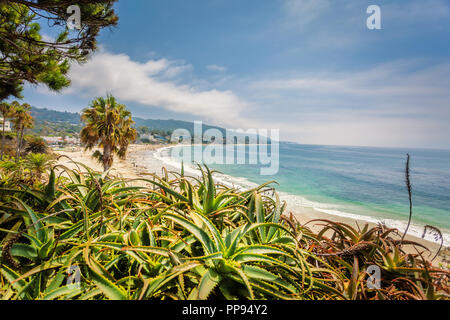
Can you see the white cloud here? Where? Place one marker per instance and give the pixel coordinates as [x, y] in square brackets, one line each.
[386, 80]
[215, 67]
[151, 84]
[402, 103]
[176, 70]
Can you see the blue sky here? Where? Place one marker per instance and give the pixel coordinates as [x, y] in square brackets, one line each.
[310, 68]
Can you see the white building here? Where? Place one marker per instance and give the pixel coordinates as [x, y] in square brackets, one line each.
[52, 140]
[7, 125]
[72, 140]
[57, 140]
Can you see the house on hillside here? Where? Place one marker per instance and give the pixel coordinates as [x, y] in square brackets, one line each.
[52, 141]
[70, 140]
[7, 125]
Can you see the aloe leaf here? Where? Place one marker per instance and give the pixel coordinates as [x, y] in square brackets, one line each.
[207, 284]
[201, 235]
[208, 199]
[212, 229]
[37, 225]
[90, 294]
[158, 282]
[55, 263]
[44, 251]
[155, 250]
[260, 218]
[56, 282]
[168, 190]
[244, 278]
[63, 291]
[261, 249]
[276, 217]
[102, 279]
[13, 278]
[108, 288]
[24, 250]
[265, 288]
[247, 257]
[50, 188]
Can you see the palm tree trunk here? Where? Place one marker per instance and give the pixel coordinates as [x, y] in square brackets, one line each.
[3, 138]
[19, 144]
[21, 137]
[107, 156]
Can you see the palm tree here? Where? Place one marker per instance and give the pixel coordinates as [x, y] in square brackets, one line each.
[22, 119]
[108, 124]
[6, 111]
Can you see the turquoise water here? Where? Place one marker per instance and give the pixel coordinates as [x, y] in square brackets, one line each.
[362, 181]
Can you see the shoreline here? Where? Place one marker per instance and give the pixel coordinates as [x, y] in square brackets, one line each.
[138, 164]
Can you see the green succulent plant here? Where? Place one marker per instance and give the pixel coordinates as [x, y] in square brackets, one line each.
[180, 237]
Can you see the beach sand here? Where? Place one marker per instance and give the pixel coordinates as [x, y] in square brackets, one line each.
[129, 168]
[141, 161]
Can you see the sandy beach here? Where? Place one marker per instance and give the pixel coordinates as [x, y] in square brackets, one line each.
[130, 168]
[141, 161]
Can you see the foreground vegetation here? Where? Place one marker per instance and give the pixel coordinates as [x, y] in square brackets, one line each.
[80, 234]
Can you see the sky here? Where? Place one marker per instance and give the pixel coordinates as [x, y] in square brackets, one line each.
[310, 68]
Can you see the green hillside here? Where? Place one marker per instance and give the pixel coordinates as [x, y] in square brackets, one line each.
[45, 114]
[55, 123]
[52, 122]
[58, 123]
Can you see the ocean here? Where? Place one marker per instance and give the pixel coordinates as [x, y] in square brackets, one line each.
[364, 183]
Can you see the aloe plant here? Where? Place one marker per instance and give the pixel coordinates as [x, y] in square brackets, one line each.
[179, 237]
